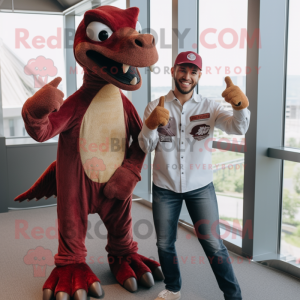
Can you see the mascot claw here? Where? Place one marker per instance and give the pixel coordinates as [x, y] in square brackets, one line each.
[94, 291]
[135, 269]
[146, 280]
[130, 284]
[83, 281]
[158, 274]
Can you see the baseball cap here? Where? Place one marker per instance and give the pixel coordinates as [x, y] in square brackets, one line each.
[189, 57]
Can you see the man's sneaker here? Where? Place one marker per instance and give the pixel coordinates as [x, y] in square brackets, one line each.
[168, 295]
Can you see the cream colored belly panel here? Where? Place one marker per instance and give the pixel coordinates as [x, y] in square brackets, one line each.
[102, 125]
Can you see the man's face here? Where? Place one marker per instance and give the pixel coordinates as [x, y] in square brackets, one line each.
[186, 77]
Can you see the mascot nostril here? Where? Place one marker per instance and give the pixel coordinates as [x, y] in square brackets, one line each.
[139, 43]
[99, 160]
[239, 104]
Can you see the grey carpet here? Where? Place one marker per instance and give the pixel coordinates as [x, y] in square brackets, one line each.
[17, 280]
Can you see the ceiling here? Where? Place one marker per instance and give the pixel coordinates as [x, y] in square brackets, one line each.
[38, 5]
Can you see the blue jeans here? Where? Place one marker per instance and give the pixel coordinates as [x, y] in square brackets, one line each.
[203, 209]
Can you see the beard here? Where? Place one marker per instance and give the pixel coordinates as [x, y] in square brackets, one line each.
[181, 90]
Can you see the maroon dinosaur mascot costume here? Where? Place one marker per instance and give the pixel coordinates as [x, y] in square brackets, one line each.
[98, 158]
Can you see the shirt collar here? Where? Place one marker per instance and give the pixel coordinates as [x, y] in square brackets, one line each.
[171, 97]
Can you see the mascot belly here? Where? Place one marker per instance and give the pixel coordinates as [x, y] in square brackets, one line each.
[103, 124]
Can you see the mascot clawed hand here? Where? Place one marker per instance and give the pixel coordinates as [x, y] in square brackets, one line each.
[98, 158]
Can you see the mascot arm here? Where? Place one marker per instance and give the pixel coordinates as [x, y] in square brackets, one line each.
[124, 180]
[45, 114]
[135, 155]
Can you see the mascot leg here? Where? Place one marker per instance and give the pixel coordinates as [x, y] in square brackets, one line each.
[72, 277]
[126, 264]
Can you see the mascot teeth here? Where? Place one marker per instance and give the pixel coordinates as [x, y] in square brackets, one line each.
[152, 68]
[133, 81]
[125, 68]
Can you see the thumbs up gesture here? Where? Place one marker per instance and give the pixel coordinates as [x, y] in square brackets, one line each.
[159, 116]
[45, 101]
[234, 95]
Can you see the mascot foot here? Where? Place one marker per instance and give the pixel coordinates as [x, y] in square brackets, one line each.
[134, 269]
[75, 281]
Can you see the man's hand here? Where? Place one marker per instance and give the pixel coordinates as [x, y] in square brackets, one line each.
[234, 95]
[159, 116]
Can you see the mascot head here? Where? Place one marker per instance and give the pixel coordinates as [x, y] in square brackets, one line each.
[109, 44]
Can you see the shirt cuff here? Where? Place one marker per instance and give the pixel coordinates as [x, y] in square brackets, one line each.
[148, 133]
[240, 115]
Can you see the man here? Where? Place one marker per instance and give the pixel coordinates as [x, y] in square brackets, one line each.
[179, 127]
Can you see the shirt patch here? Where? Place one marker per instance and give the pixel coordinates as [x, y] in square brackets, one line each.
[201, 117]
[165, 138]
[200, 132]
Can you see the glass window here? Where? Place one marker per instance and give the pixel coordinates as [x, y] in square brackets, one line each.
[11, 127]
[292, 114]
[228, 179]
[31, 55]
[290, 227]
[223, 48]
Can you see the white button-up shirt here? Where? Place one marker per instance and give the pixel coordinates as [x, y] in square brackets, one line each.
[183, 147]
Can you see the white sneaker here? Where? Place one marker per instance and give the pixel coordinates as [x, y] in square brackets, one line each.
[168, 295]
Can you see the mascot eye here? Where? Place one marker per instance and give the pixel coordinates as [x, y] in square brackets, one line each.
[138, 27]
[98, 32]
[103, 35]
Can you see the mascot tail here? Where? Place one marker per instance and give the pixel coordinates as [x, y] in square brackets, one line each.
[45, 186]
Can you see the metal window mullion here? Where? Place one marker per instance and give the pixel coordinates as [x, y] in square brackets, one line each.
[264, 90]
[283, 127]
[187, 24]
[1, 106]
[238, 148]
[142, 97]
[70, 62]
[285, 153]
[3, 176]
[285, 78]
[174, 36]
[280, 207]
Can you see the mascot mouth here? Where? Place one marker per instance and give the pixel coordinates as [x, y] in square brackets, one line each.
[121, 72]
